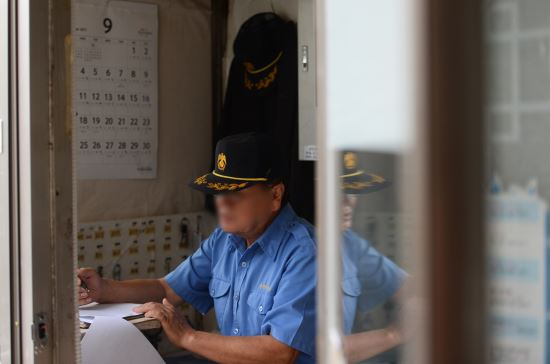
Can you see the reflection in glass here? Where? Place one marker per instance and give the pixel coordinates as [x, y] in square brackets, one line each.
[517, 42]
[373, 285]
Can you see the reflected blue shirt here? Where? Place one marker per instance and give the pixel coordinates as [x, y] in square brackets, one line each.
[265, 289]
[369, 278]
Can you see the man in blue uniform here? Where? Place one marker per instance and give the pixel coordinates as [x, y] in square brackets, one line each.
[257, 270]
[369, 278]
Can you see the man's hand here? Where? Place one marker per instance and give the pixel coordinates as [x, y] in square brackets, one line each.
[92, 288]
[174, 325]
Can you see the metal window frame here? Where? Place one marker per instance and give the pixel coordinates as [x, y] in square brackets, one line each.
[449, 183]
[6, 341]
[329, 320]
[32, 123]
[43, 200]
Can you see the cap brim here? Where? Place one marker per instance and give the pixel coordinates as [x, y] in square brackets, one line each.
[364, 183]
[213, 185]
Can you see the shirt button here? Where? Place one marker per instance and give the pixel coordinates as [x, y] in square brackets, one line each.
[213, 292]
[235, 331]
[236, 297]
[244, 264]
[261, 308]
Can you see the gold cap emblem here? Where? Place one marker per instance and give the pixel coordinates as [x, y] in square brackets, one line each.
[222, 161]
[350, 160]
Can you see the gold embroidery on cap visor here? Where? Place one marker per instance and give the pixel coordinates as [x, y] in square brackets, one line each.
[225, 186]
[219, 186]
[263, 82]
[201, 180]
[222, 161]
[359, 185]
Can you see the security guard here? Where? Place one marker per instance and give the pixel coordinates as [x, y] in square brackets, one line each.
[257, 269]
[369, 278]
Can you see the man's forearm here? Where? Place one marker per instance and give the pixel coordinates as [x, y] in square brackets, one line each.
[239, 349]
[364, 345]
[135, 290]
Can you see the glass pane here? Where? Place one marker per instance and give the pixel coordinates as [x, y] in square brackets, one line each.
[517, 41]
[368, 125]
[374, 282]
[5, 241]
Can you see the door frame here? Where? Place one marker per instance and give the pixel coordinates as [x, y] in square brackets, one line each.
[455, 174]
[8, 335]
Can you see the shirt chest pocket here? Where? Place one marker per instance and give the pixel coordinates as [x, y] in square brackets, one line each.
[260, 302]
[351, 287]
[219, 291]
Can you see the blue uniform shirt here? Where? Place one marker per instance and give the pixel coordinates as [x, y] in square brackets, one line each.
[369, 278]
[266, 289]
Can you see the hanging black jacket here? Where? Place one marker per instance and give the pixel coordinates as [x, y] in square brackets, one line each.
[262, 95]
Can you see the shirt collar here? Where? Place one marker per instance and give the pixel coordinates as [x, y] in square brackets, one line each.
[270, 240]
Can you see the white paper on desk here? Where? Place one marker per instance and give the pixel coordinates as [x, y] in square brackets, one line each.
[114, 340]
[118, 310]
[87, 319]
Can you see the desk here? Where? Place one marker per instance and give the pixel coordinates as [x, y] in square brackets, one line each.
[150, 327]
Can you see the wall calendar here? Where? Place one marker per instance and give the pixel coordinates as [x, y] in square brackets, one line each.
[114, 100]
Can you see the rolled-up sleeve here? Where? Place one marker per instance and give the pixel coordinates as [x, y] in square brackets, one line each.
[191, 278]
[380, 278]
[291, 319]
